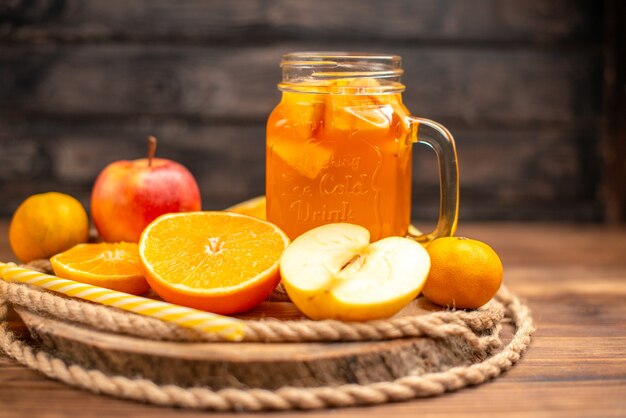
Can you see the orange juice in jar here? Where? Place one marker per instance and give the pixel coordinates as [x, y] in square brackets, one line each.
[339, 147]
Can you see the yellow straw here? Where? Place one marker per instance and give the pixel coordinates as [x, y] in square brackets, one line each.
[230, 328]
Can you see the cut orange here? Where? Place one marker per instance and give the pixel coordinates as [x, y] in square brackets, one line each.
[220, 262]
[114, 266]
[252, 207]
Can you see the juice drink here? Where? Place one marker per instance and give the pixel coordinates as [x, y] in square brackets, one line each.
[339, 154]
[339, 148]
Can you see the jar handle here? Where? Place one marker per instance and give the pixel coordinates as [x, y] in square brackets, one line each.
[441, 141]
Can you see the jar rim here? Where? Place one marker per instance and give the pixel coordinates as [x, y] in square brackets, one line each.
[338, 55]
[316, 68]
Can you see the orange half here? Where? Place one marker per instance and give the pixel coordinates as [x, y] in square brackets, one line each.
[115, 266]
[220, 262]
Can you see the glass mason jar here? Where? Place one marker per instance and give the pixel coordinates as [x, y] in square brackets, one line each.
[339, 148]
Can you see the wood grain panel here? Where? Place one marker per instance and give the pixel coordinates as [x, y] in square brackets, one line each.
[614, 94]
[515, 174]
[519, 83]
[471, 86]
[586, 398]
[504, 173]
[217, 21]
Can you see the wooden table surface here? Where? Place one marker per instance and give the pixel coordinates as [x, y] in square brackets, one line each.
[574, 280]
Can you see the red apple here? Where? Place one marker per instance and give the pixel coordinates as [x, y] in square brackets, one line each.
[128, 195]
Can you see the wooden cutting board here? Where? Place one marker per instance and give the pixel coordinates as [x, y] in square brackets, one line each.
[256, 365]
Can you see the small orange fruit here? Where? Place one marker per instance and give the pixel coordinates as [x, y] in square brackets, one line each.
[114, 266]
[252, 207]
[46, 224]
[464, 273]
[220, 262]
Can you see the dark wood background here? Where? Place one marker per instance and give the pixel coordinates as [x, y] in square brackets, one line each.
[521, 84]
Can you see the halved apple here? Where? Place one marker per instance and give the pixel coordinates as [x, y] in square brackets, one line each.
[334, 272]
